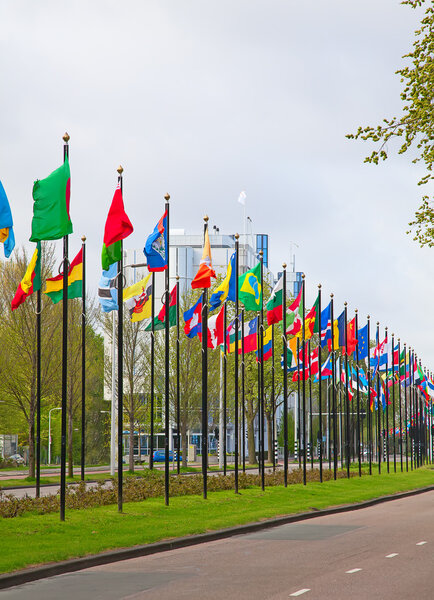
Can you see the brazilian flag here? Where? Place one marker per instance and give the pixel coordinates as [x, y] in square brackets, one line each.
[250, 288]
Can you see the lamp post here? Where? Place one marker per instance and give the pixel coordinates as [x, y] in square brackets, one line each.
[49, 432]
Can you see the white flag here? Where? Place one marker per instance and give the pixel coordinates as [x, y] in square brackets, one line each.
[242, 198]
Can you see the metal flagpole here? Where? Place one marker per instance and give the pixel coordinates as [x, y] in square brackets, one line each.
[151, 441]
[223, 435]
[319, 385]
[310, 407]
[298, 405]
[237, 268]
[273, 401]
[386, 394]
[120, 364]
[178, 387]
[304, 379]
[261, 366]
[64, 359]
[347, 399]
[359, 457]
[243, 382]
[83, 359]
[166, 360]
[368, 407]
[38, 392]
[393, 400]
[285, 382]
[401, 435]
[205, 383]
[378, 401]
[113, 403]
[335, 432]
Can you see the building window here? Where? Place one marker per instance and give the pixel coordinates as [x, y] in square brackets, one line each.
[262, 244]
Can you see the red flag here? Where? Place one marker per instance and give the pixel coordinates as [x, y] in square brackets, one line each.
[351, 337]
[118, 226]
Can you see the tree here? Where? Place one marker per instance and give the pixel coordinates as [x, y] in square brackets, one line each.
[415, 126]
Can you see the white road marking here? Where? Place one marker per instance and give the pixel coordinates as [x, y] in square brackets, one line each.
[392, 555]
[420, 543]
[353, 570]
[300, 592]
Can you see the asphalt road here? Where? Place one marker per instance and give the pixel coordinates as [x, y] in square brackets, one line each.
[378, 553]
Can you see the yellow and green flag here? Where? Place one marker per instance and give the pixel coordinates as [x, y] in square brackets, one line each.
[250, 289]
[54, 287]
[138, 299]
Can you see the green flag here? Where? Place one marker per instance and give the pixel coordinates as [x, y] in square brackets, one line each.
[250, 288]
[51, 219]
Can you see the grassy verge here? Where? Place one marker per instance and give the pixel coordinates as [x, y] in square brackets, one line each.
[35, 539]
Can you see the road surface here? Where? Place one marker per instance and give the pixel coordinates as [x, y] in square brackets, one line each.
[378, 553]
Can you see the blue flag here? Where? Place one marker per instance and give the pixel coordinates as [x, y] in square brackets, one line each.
[341, 328]
[107, 290]
[326, 327]
[226, 290]
[6, 224]
[156, 248]
[193, 319]
[362, 336]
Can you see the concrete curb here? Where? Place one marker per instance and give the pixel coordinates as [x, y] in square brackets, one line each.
[8, 580]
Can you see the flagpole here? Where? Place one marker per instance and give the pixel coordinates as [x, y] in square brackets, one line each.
[319, 385]
[393, 400]
[178, 387]
[368, 407]
[273, 404]
[151, 445]
[386, 393]
[66, 139]
[310, 407]
[120, 362]
[358, 394]
[400, 403]
[83, 358]
[261, 366]
[303, 283]
[205, 382]
[237, 268]
[298, 406]
[285, 382]
[223, 433]
[347, 399]
[243, 398]
[335, 432]
[166, 360]
[408, 411]
[378, 401]
[38, 392]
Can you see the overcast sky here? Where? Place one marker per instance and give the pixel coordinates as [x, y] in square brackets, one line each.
[203, 99]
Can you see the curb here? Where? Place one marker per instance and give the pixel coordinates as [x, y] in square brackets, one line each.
[77, 564]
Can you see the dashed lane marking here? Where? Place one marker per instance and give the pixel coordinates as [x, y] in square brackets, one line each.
[420, 543]
[392, 555]
[300, 592]
[353, 570]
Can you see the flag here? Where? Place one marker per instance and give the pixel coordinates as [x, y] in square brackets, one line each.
[326, 369]
[274, 304]
[31, 282]
[250, 289]
[291, 360]
[242, 198]
[267, 336]
[309, 322]
[298, 374]
[159, 320]
[155, 248]
[51, 220]
[363, 344]
[216, 329]
[117, 227]
[226, 290]
[351, 337]
[137, 298]
[314, 362]
[339, 330]
[326, 327]
[295, 315]
[107, 290]
[193, 319]
[205, 271]
[250, 335]
[6, 224]
[54, 289]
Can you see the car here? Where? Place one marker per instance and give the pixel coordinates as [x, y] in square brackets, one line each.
[160, 456]
[17, 458]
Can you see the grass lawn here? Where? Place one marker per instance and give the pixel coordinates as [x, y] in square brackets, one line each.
[35, 539]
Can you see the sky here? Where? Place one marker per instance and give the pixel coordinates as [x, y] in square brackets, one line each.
[205, 99]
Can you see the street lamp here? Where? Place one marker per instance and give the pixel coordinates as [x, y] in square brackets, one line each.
[49, 432]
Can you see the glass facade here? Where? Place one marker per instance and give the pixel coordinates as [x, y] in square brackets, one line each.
[262, 244]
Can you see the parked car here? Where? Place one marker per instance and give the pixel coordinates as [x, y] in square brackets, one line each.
[17, 458]
[160, 456]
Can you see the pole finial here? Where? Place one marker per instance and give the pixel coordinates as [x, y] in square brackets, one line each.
[345, 304]
[331, 295]
[284, 265]
[83, 238]
[261, 253]
[303, 275]
[120, 169]
[177, 278]
[368, 317]
[167, 197]
[378, 322]
[319, 286]
[237, 235]
[66, 137]
[356, 310]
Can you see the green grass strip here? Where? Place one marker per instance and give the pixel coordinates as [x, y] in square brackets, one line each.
[33, 539]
